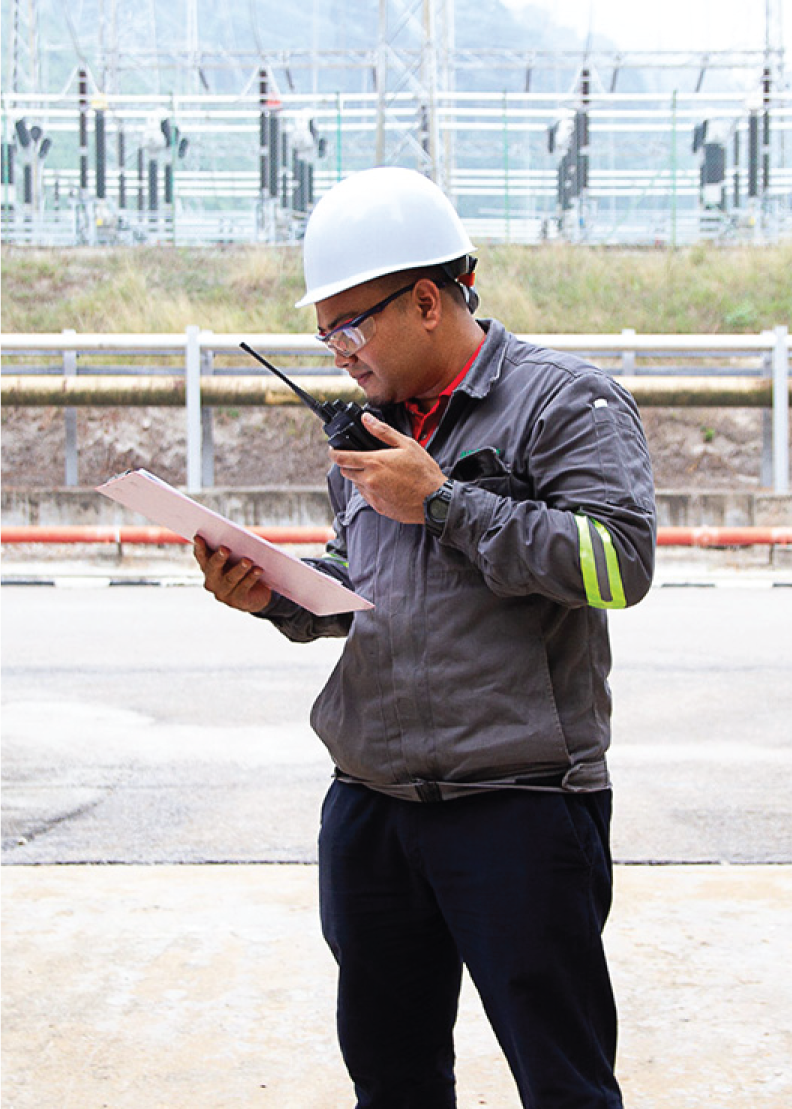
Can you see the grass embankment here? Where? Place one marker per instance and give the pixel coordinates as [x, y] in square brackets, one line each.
[550, 289]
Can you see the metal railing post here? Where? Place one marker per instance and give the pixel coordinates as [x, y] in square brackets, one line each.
[628, 356]
[766, 472]
[71, 462]
[766, 464]
[207, 416]
[192, 375]
[780, 411]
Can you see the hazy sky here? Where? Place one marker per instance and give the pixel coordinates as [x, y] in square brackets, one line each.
[674, 24]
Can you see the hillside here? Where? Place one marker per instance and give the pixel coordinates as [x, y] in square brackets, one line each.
[556, 288]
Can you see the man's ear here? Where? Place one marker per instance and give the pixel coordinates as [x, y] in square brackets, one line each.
[428, 299]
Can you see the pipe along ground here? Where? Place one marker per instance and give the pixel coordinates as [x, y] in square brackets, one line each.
[157, 536]
[151, 536]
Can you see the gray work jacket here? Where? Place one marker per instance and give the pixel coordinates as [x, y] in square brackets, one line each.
[484, 663]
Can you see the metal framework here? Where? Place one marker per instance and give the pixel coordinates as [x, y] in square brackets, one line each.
[25, 76]
[415, 55]
[108, 159]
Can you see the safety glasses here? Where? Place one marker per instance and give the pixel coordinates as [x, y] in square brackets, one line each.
[350, 337]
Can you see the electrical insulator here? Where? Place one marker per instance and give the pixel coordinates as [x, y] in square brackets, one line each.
[23, 134]
[7, 177]
[274, 153]
[101, 155]
[753, 155]
[713, 169]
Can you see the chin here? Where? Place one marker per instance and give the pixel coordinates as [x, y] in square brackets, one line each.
[374, 396]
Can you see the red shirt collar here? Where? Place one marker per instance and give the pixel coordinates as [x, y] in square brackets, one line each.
[424, 424]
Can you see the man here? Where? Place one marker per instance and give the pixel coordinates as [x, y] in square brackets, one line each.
[468, 716]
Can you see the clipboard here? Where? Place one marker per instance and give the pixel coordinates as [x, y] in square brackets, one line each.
[162, 504]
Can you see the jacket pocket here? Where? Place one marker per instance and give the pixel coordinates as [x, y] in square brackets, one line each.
[487, 469]
[362, 532]
[482, 463]
[356, 503]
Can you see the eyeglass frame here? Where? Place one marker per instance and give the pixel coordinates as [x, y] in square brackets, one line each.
[354, 323]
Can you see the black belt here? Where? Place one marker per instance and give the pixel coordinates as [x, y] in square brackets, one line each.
[431, 792]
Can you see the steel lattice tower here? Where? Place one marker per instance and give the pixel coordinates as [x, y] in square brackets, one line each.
[414, 56]
[25, 47]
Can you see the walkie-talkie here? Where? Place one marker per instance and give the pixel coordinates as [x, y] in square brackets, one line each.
[342, 421]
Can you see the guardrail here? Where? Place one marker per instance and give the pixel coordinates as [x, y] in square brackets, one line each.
[197, 388]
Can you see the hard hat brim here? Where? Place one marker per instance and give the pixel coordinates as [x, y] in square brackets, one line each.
[324, 292]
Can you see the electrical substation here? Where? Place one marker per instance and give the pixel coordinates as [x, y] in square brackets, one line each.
[128, 141]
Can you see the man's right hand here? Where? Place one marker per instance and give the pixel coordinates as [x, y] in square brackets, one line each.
[238, 584]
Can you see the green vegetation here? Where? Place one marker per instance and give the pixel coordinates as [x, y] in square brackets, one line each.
[540, 290]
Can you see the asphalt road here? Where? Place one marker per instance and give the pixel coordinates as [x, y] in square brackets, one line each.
[152, 725]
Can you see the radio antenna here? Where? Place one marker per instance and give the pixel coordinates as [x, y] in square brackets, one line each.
[306, 398]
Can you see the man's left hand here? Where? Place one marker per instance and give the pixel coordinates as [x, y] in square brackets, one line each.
[395, 481]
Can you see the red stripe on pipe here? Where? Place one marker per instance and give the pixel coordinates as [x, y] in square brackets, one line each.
[148, 535]
[666, 537]
[723, 537]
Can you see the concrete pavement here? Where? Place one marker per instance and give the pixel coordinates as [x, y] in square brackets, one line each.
[172, 986]
[209, 987]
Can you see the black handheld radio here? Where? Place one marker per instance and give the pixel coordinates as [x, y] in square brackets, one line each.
[342, 421]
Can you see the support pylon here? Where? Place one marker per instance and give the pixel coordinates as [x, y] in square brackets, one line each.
[25, 47]
[414, 55]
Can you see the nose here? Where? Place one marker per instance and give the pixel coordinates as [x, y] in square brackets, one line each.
[343, 360]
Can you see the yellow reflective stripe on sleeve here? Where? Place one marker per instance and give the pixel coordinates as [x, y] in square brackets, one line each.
[588, 566]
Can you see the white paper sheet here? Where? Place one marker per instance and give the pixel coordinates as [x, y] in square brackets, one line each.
[164, 505]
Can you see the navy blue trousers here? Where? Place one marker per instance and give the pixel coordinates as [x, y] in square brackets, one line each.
[515, 885]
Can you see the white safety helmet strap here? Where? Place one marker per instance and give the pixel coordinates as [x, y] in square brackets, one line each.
[377, 222]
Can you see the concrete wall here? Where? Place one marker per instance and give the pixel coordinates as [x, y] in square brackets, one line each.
[291, 506]
[251, 507]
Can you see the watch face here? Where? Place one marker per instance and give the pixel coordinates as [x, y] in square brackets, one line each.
[436, 508]
[438, 504]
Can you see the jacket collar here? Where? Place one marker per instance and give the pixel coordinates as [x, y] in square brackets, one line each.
[486, 370]
[480, 378]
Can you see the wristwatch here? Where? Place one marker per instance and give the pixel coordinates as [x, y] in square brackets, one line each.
[436, 508]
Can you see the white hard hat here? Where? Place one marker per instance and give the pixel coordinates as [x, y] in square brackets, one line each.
[375, 222]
